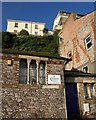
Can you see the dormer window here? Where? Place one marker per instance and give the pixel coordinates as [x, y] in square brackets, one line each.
[88, 43]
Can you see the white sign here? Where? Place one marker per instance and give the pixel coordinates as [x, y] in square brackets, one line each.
[86, 107]
[54, 79]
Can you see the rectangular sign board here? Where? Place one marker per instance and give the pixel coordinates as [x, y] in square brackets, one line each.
[54, 79]
[86, 107]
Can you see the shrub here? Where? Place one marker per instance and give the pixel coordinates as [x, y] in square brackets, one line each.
[23, 32]
[7, 40]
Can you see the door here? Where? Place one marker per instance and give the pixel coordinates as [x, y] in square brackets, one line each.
[72, 100]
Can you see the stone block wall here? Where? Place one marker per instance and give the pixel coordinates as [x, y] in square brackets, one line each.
[31, 101]
[80, 81]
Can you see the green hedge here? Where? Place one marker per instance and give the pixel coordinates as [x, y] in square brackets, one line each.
[45, 44]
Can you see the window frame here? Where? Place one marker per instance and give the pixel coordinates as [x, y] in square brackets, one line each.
[26, 26]
[87, 69]
[15, 31]
[36, 33]
[16, 24]
[88, 43]
[60, 37]
[90, 90]
[68, 54]
[36, 26]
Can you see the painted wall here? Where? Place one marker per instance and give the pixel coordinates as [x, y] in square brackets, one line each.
[21, 25]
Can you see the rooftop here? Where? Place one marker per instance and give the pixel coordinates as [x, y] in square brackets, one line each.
[33, 53]
[25, 21]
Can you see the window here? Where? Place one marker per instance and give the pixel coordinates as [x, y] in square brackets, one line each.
[89, 90]
[85, 69]
[33, 72]
[16, 24]
[36, 26]
[60, 38]
[23, 71]
[15, 31]
[32, 76]
[88, 43]
[26, 25]
[36, 33]
[42, 72]
[69, 54]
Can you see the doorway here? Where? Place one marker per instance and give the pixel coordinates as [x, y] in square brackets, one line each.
[72, 101]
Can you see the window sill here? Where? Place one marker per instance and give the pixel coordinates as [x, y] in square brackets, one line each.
[42, 86]
[50, 86]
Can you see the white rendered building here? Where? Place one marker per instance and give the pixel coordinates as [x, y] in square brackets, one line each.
[33, 28]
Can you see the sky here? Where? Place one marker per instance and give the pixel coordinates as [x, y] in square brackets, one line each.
[41, 11]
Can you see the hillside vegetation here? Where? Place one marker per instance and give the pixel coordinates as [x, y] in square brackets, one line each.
[43, 44]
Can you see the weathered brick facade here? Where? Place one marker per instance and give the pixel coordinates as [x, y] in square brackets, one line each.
[74, 33]
[32, 101]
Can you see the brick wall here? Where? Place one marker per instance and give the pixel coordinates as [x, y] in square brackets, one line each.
[27, 100]
[74, 34]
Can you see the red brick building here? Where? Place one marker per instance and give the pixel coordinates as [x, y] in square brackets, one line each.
[78, 41]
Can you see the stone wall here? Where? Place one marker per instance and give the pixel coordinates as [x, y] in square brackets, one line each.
[80, 81]
[32, 101]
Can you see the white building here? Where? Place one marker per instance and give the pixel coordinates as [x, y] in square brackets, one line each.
[61, 19]
[33, 28]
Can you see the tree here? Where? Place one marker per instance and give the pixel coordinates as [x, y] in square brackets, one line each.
[23, 32]
[45, 31]
[7, 40]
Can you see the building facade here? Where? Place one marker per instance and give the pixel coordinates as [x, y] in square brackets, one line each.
[78, 41]
[61, 18]
[80, 94]
[33, 87]
[33, 28]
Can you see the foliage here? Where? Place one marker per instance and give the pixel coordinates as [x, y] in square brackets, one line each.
[45, 31]
[23, 32]
[39, 44]
[7, 39]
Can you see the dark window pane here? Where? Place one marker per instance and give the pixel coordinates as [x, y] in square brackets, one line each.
[88, 40]
[85, 69]
[26, 25]
[89, 45]
[36, 26]
[33, 73]
[23, 71]
[86, 90]
[16, 24]
[42, 73]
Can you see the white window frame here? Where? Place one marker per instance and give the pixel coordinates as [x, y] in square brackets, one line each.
[88, 43]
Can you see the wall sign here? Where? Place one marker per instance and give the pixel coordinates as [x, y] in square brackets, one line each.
[86, 107]
[54, 79]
